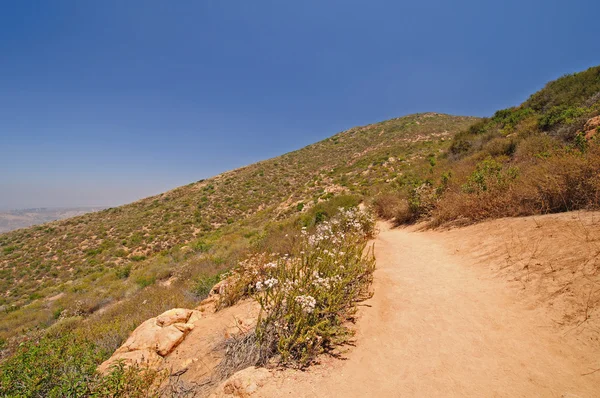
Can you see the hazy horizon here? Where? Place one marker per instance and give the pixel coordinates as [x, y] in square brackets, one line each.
[173, 93]
[56, 197]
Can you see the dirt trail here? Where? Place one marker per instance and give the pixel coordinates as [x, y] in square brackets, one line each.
[439, 327]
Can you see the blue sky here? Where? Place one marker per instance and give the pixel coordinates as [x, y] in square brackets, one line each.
[104, 102]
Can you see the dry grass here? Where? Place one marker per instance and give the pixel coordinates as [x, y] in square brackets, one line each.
[241, 351]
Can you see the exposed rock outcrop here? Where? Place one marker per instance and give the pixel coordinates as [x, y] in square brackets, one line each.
[155, 339]
[590, 130]
[189, 343]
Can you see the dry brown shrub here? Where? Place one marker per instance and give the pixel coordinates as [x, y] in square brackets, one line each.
[566, 180]
[387, 205]
[499, 146]
[535, 147]
[404, 214]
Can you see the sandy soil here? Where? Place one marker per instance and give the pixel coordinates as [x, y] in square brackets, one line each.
[442, 325]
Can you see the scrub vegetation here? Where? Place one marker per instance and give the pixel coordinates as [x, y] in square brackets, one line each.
[80, 265]
[540, 157]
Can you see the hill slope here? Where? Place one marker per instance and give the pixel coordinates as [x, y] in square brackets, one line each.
[79, 256]
[542, 156]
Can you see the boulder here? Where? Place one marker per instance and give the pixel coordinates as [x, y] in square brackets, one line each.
[167, 339]
[244, 383]
[183, 327]
[590, 130]
[176, 315]
[195, 317]
[143, 337]
[154, 339]
[144, 358]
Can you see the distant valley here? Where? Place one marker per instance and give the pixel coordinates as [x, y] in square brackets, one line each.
[22, 218]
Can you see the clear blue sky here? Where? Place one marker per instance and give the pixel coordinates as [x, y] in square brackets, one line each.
[104, 102]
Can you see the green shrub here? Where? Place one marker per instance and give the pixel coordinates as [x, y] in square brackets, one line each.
[144, 281]
[50, 367]
[57, 312]
[490, 173]
[204, 285]
[129, 381]
[559, 115]
[478, 128]
[419, 203]
[511, 117]
[65, 366]
[201, 246]
[568, 91]
[324, 210]
[8, 249]
[123, 272]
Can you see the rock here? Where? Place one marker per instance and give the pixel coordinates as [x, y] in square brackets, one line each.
[244, 383]
[167, 339]
[154, 338]
[591, 127]
[196, 316]
[188, 362]
[176, 315]
[191, 349]
[143, 337]
[184, 327]
[144, 357]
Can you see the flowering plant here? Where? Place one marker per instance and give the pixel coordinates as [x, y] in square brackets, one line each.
[306, 296]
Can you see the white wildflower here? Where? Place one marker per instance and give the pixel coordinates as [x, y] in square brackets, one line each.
[269, 283]
[307, 303]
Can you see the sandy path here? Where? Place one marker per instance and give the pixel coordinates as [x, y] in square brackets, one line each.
[437, 327]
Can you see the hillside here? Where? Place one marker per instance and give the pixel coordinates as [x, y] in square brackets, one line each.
[90, 257]
[539, 157]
